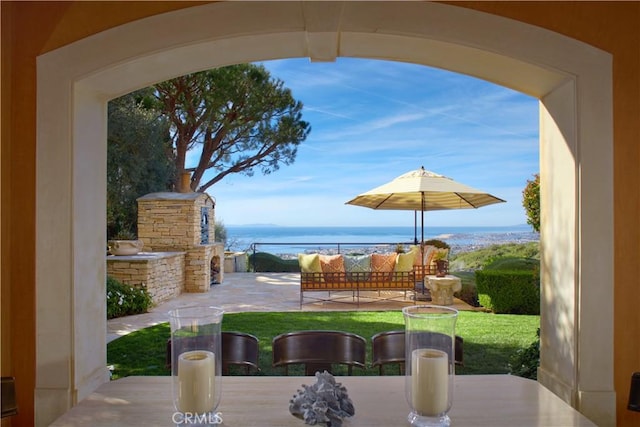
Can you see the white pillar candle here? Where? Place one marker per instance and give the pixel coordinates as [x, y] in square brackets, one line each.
[196, 381]
[429, 381]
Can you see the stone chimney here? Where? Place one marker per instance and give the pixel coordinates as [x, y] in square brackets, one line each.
[185, 183]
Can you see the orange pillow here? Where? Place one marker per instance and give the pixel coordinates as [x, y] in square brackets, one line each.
[332, 266]
[383, 263]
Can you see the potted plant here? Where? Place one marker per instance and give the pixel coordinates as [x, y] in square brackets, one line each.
[442, 264]
[124, 243]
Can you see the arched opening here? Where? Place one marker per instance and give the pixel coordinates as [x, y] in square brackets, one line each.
[572, 81]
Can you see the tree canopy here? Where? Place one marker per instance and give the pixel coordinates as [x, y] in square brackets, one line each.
[531, 202]
[139, 158]
[239, 118]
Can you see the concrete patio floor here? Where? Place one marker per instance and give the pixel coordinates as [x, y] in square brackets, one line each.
[241, 292]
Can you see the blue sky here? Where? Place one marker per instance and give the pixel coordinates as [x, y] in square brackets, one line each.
[375, 120]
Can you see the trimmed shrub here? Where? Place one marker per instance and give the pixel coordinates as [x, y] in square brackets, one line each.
[514, 264]
[509, 292]
[268, 263]
[124, 300]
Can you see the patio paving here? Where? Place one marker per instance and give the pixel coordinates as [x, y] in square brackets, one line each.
[241, 292]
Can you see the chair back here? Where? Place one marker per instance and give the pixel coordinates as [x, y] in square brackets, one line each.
[238, 349]
[318, 350]
[389, 347]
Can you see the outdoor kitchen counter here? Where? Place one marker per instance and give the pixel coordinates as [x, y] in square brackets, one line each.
[479, 400]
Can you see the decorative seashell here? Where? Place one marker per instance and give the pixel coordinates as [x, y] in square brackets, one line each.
[324, 403]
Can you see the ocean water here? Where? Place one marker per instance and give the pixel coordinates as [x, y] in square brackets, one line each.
[293, 240]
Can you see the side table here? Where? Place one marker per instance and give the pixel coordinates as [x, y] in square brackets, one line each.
[443, 288]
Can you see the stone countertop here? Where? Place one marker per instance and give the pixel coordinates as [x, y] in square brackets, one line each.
[143, 256]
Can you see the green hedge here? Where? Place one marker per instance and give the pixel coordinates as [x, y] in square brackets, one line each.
[513, 263]
[509, 292]
[267, 263]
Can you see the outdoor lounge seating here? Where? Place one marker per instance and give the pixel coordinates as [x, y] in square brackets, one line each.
[319, 350]
[359, 273]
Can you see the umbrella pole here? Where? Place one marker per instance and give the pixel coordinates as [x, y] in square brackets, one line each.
[424, 272]
[422, 219]
[415, 227]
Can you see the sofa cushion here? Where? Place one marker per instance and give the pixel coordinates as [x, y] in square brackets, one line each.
[383, 263]
[404, 262]
[333, 268]
[428, 252]
[357, 267]
[309, 263]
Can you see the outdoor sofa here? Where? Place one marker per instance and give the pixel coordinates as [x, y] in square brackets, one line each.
[363, 273]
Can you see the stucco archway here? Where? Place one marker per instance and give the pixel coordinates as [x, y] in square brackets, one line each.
[572, 80]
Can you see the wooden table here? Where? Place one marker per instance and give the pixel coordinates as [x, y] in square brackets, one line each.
[479, 400]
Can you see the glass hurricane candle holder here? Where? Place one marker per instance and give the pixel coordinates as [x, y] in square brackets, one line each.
[196, 359]
[430, 363]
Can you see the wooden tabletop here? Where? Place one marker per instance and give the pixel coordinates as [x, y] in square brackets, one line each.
[479, 400]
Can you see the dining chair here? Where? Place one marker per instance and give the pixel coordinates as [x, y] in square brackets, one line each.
[319, 350]
[238, 349]
[388, 348]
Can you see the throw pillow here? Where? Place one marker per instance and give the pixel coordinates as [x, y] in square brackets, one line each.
[428, 251]
[332, 267]
[383, 263]
[309, 263]
[357, 267]
[404, 262]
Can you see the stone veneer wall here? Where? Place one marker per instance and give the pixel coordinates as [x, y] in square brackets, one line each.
[163, 273]
[171, 221]
[198, 267]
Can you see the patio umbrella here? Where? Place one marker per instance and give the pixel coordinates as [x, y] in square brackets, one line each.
[422, 190]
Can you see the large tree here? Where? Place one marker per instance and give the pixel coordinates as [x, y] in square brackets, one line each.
[238, 118]
[139, 158]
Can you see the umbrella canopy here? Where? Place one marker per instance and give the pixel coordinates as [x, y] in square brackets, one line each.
[422, 190]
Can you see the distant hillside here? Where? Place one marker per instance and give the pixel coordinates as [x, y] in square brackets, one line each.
[477, 259]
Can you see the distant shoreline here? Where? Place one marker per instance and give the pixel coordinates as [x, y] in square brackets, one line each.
[364, 248]
[294, 240]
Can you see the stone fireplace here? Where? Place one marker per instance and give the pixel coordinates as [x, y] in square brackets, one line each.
[179, 253]
[183, 222]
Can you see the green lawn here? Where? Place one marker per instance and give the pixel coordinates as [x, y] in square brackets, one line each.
[490, 340]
